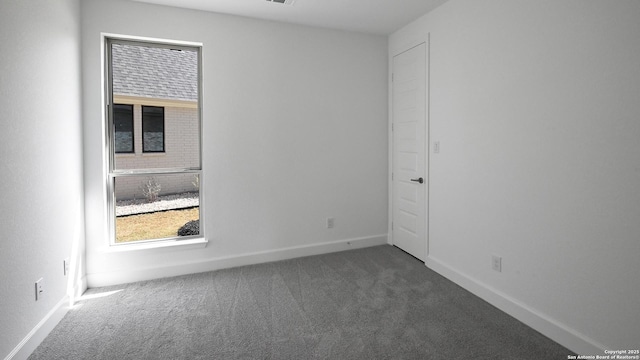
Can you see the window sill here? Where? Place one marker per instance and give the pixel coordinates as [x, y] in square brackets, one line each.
[196, 243]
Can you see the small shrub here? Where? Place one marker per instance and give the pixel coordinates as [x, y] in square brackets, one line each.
[196, 182]
[190, 228]
[151, 189]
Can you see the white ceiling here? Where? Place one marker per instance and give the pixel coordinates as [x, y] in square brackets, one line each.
[370, 16]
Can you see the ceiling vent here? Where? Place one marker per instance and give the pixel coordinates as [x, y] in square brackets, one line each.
[286, 2]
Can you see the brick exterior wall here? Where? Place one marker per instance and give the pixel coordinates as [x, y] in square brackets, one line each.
[182, 149]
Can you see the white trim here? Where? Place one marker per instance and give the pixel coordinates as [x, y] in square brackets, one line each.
[133, 275]
[150, 39]
[78, 290]
[549, 327]
[390, 144]
[40, 331]
[141, 100]
[195, 243]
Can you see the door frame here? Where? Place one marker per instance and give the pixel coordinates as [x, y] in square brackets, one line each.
[427, 141]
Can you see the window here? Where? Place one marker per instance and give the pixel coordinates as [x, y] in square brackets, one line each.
[153, 103]
[152, 129]
[123, 127]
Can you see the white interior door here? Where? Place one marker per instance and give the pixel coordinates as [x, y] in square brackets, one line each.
[409, 177]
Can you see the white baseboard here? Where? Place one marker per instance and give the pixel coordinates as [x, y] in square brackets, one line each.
[79, 289]
[40, 331]
[133, 275]
[549, 327]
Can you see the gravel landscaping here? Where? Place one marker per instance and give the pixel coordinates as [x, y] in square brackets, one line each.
[168, 202]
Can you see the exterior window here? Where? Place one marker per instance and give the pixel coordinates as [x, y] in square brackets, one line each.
[153, 198]
[123, 126]
[152, 129]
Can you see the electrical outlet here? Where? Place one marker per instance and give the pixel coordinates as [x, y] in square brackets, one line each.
[496, 263]
[330, 223]
[65, 269]
[39, 289]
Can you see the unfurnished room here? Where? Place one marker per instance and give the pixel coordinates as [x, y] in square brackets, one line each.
[298, 179]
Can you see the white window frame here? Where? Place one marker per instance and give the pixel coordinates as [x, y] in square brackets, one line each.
[110, 154]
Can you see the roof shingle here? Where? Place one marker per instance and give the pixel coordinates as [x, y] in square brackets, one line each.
[152, 72]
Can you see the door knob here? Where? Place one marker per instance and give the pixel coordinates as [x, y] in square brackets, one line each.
[419, 180]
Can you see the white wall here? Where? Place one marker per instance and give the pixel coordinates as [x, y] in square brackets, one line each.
[535, 104]
[41, 164]
[295, 131]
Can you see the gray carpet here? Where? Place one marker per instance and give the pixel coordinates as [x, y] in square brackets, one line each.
[373, 303]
